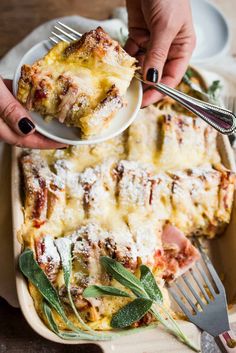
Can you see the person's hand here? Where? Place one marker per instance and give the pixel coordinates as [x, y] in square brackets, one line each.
[161, 36]
[16, 126]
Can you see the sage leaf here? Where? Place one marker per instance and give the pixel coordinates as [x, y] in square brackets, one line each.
[123, 276]
[131, 313]
[214, 88]
[48, 313]
[64, 249]
[95, 291]
[36, 275]
[149, 283]
[64, 335]
[30, 268]
[68, 335]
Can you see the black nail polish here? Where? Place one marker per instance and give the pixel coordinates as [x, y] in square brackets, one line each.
[26, 125]
[152, 75]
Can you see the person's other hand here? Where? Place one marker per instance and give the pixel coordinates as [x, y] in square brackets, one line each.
[16, 126]
[161, 36]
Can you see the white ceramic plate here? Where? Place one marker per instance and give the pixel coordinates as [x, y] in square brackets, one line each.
[211, 29]
[69, 135]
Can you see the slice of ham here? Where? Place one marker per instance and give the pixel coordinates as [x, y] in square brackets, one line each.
[179, 253]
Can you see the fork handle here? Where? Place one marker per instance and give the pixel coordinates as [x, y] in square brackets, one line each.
[226, 342]
[221, 119]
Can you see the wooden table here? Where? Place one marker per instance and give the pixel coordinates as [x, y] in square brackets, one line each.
[17, 19]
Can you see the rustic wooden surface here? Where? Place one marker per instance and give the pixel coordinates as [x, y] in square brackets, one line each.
[20, 17]
[17, 19]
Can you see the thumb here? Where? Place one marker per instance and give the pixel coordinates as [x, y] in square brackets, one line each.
[157, 52]
[12, 112]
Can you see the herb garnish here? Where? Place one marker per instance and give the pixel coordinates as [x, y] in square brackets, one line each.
[38, 278]
[148, 298]
[213, 89]
[64, 249]
[210, 95]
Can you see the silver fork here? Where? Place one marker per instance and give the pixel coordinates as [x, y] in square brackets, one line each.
[202, 298]
[230, 103]
[221, 119]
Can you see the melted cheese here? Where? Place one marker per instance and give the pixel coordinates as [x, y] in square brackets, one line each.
[115, 198]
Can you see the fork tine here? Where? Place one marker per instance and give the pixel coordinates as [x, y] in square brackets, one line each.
[210, 267]
[179, 302]
[70, 29]
[54, 40]
[195, 294]
[60, 37]
[185, 294]
[65, 33]
[206, 296]
[206, 279]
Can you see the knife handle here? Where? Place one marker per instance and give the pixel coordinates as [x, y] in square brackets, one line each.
[226, 342]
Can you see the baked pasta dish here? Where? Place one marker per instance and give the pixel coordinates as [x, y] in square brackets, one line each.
[135, 199]
[82, 84]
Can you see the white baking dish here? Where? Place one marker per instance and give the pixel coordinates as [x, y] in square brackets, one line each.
[222, 250]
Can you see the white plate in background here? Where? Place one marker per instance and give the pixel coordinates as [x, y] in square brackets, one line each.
[71, 135]
[211, 29]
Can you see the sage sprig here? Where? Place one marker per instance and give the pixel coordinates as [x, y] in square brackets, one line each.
[30, 268]
[148, 298]
[64, 249]
[38, 278]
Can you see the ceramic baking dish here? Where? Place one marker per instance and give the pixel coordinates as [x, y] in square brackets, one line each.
[221, 249]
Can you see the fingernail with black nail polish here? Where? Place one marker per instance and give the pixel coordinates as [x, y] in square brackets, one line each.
[152, 75]
[26, 125]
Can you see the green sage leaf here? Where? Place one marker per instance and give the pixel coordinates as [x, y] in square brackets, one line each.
[64, 249]
[149, 283]
[30, 268]
[123, 276]
[36, 275]
[131, 313]
[214, 88]
[95, 291]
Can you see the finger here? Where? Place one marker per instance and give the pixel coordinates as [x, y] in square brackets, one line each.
[140, 56]
[157, 52]
[150, 96]
[31, 141]
[131, 47]
[8, 83]
[12, 112]
[176, 67]
[172, 75]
